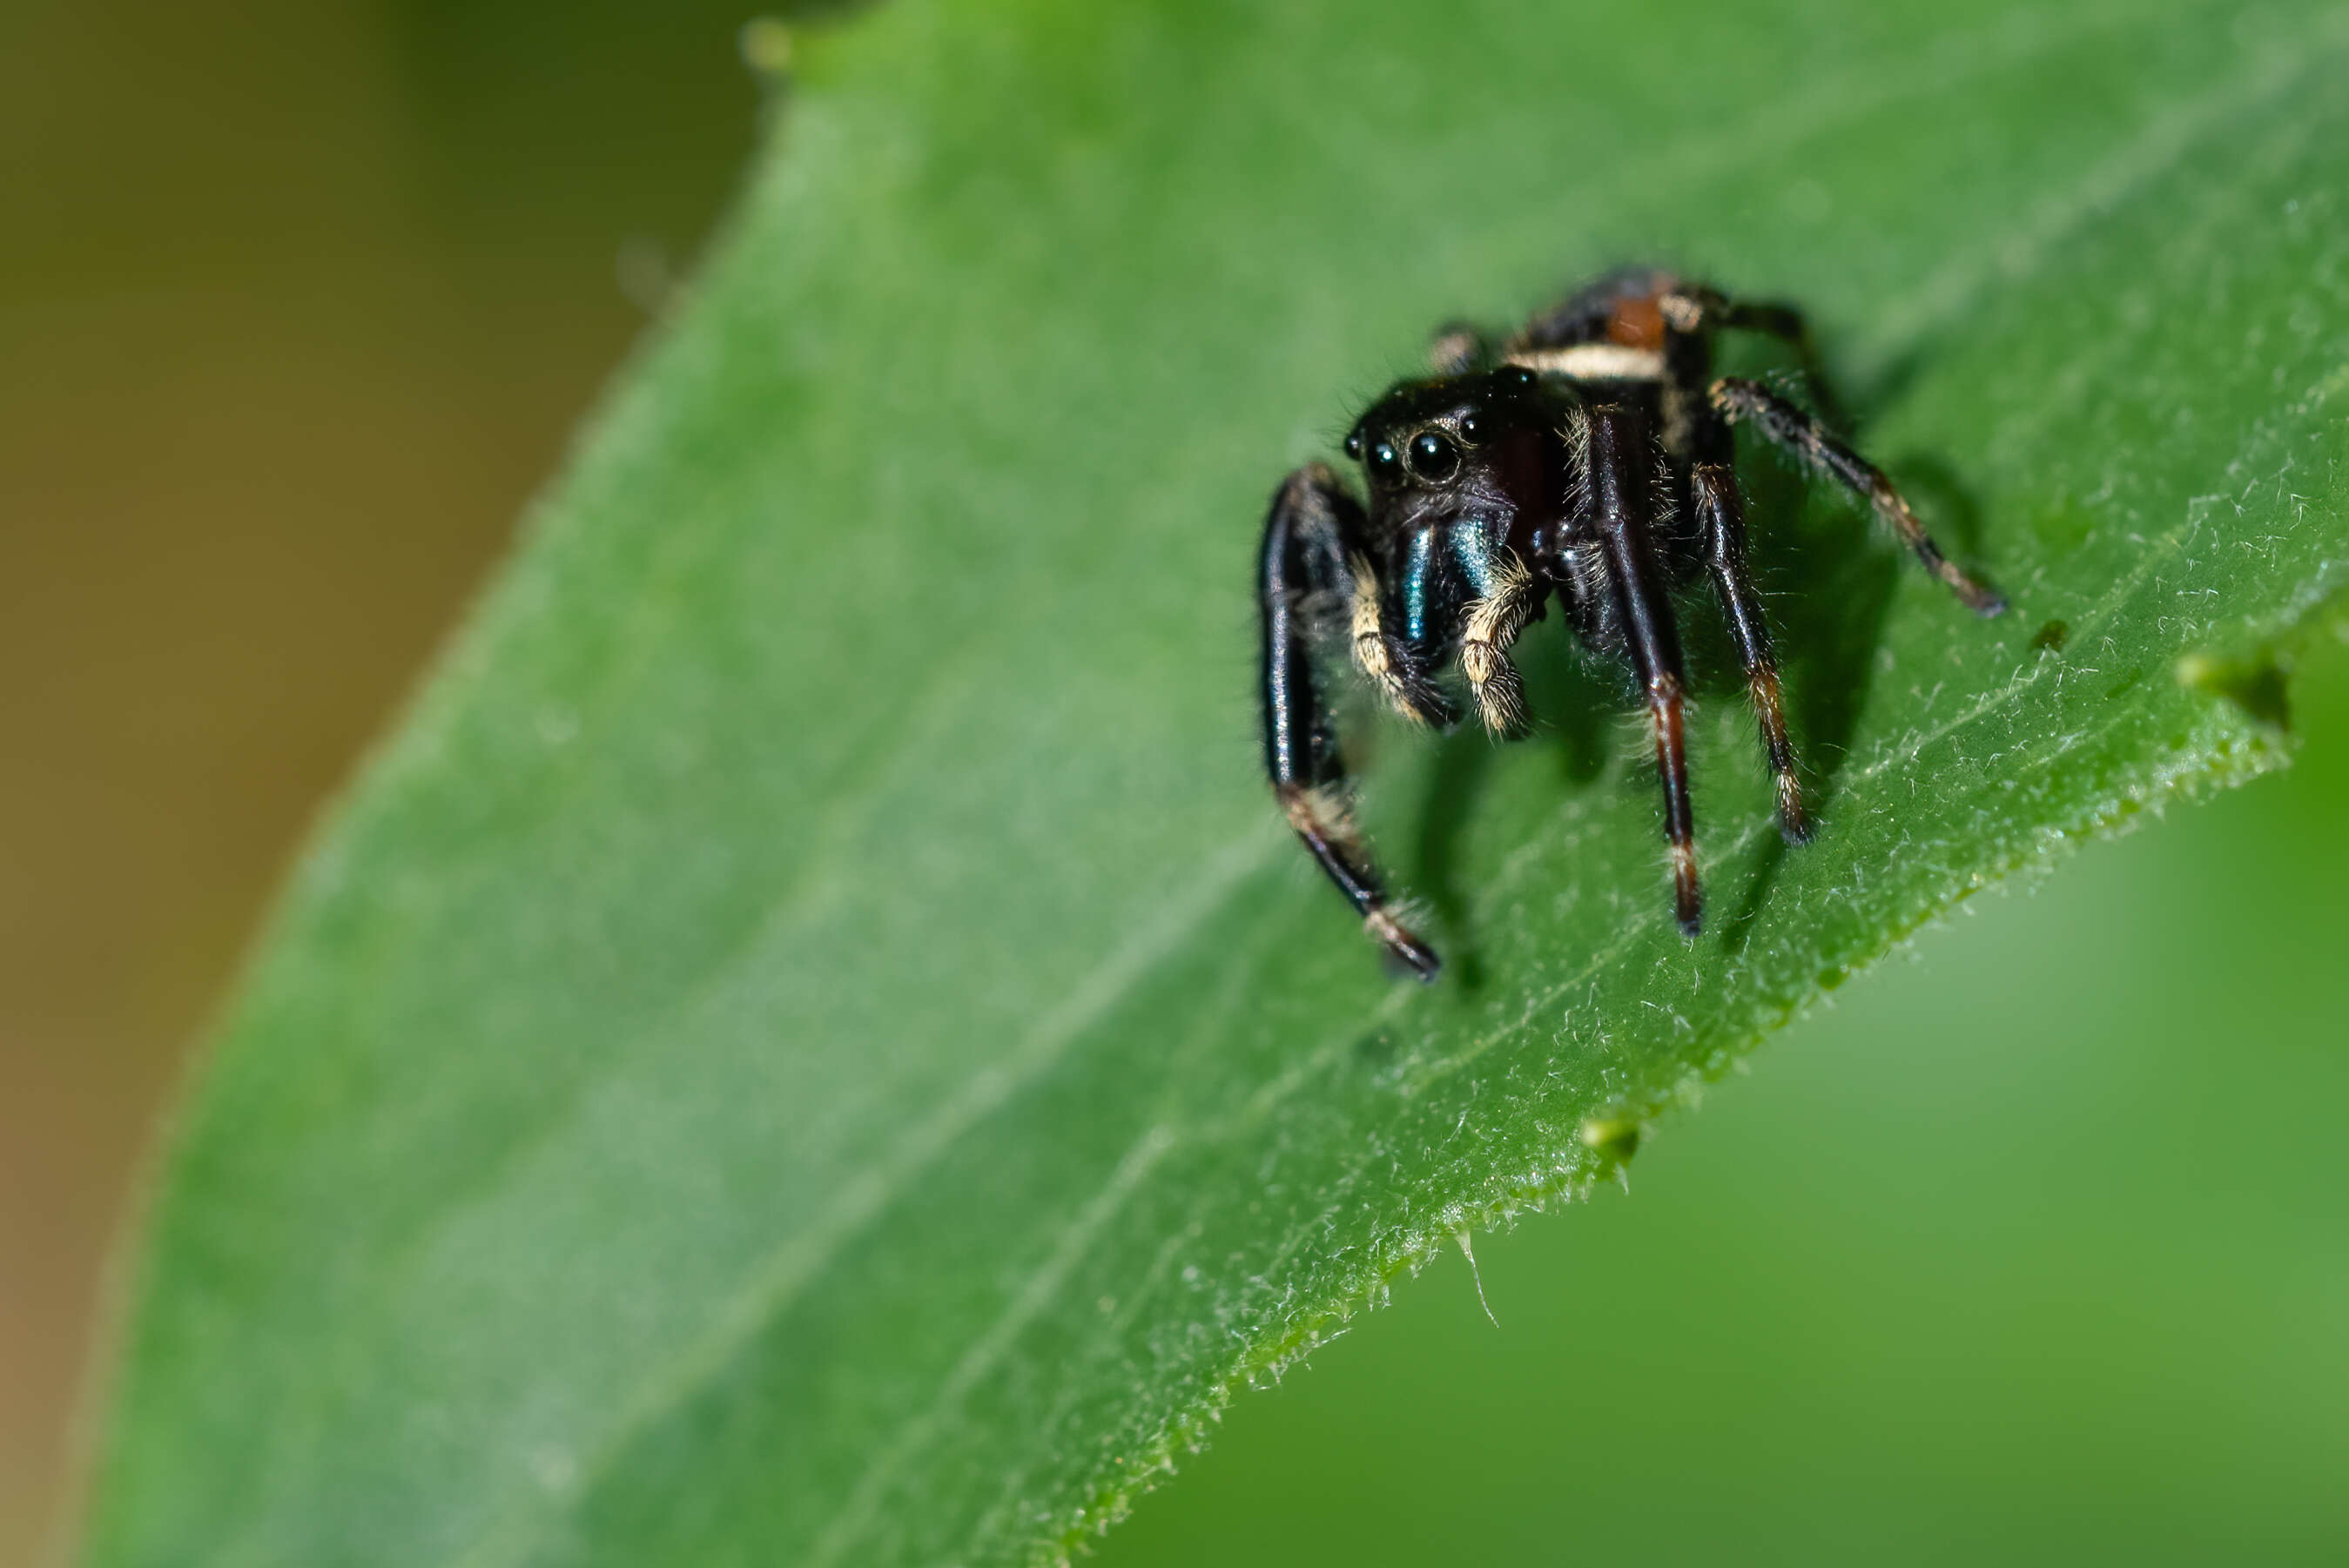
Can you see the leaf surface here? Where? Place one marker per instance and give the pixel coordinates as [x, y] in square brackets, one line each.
[810, 1044]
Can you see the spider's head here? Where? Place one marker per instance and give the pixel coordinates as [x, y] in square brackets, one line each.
[1440, 435]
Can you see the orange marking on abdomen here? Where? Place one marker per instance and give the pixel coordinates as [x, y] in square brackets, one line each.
[1637, 323]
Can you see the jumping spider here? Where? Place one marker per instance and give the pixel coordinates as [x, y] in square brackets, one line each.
[1590, 456]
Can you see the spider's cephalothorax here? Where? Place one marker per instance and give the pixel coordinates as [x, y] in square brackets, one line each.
[1590, 457]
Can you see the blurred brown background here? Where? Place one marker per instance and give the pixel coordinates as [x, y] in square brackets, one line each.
[297, 301]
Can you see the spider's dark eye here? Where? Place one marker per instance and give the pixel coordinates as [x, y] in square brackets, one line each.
[1354, 445]
[1385, 461]
[1433, 457]
[1472, 428]
[1519, 375]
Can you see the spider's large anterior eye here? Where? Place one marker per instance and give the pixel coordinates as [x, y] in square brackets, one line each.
[1433, 457]
[1385, 461]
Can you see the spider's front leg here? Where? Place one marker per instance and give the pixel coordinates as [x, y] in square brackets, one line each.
[1314, 543]
[1621, 462]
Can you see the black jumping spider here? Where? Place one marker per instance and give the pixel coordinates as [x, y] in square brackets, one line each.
[1590, 455]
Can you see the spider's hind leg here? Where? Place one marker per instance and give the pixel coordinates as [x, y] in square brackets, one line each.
[1694, 309]
[1792, 431]
[1721, 526]
[1313, 537]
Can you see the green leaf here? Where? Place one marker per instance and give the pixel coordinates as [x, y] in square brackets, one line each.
[810, 1044]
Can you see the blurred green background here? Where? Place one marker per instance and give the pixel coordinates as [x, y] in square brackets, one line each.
[297, 302]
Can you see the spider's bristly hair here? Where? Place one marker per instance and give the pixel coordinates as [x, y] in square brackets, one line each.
[1494, 622]
[1575, 430]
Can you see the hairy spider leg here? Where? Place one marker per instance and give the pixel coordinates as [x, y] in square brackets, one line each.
[1647, 320]
[1696, 308]
[1717, 514]
[1721, 521]
[1792, 431]
[1311, 535]
[1506, 598]
[1621, 465]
